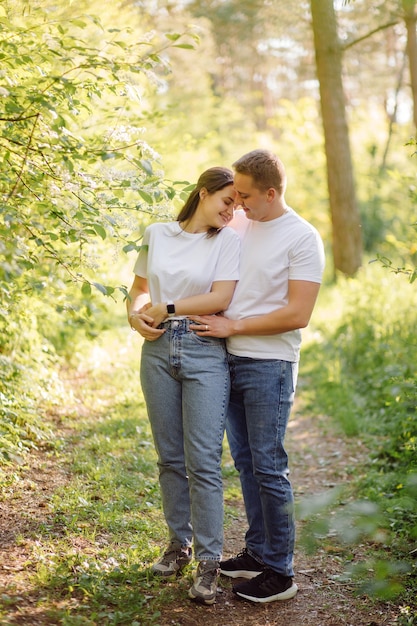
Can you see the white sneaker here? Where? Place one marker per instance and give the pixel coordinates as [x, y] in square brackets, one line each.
[174, 559]
[204, 588]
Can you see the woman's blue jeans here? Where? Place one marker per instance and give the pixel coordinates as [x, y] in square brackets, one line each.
[261, 399]
[186, 385]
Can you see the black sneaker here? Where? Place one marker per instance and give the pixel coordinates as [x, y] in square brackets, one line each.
[241, 566]
[267, 587]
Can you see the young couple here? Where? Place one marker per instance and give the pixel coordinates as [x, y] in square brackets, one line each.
[220, 297]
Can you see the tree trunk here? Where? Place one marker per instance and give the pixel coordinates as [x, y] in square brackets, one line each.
[410, 22]
[346, 228]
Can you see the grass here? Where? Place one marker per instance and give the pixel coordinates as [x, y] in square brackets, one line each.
[89, 561]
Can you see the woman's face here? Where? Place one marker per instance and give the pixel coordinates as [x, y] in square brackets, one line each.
[216, 209]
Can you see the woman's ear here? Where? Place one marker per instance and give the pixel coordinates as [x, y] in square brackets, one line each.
[203, 193]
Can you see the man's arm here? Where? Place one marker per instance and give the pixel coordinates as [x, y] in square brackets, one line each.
[302, 296]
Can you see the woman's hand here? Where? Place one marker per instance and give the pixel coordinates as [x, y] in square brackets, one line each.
[143, 324]
[154, 313]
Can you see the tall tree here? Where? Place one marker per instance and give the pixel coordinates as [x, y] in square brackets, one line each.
[410, 19]
[346, 228]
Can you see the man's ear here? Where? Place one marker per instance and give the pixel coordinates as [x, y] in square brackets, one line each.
[271, 194]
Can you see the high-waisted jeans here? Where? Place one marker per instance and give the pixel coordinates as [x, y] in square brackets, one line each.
[186, 385]
[260, 403]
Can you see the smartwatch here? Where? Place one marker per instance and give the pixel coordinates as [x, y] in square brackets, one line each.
[170, 308]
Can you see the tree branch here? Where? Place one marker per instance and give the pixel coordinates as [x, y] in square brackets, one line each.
[22, 167]
[19, 118]
[367, 35]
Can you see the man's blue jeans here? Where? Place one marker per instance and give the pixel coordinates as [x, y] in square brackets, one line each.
[262, 396]
[186, 384]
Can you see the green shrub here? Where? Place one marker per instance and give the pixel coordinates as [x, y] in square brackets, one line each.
[366, 345]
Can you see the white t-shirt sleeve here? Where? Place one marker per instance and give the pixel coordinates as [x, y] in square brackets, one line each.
[307, 258]
[141, 265]
[227, 267]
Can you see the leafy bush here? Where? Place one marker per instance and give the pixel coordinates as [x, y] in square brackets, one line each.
[77, 181]
[367, 383]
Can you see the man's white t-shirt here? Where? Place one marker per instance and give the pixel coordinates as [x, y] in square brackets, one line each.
[272, 253]
[178, 264]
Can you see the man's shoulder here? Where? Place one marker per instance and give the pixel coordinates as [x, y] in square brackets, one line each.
[300, 223]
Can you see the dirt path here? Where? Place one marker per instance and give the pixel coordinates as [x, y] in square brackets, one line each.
[319, 461]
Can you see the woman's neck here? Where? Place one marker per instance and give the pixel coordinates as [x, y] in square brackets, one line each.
[192, 226]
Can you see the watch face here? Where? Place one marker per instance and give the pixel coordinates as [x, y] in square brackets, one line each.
[171, 309]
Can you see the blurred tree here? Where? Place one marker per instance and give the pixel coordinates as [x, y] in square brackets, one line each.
[346, 229]
[261, 52]
[410, 19]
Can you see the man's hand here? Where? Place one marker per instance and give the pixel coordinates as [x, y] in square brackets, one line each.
[211, 325]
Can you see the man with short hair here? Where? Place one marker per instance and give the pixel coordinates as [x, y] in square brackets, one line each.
[282, 263]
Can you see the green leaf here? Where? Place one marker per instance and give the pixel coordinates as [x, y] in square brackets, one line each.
[172, 36]
[100, 230]
[129, 247]
[86, 289]
[146, 196]
[101, 288]
[108, 155]
[79, 23]
[145, 165]
[186, 46]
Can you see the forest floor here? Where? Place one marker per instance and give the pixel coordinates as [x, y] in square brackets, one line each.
[319, 461]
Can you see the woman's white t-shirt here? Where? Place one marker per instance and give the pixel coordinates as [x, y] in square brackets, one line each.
[272, 253]
[178, 264]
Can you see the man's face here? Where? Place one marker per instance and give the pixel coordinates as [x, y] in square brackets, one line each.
[252, 200]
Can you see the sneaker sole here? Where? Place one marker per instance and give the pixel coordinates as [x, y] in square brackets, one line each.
[168, 573]
[284, 595]
[240, 573]
[201, 599]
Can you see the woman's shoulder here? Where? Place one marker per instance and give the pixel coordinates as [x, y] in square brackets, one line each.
[163, 227]
[229, 233]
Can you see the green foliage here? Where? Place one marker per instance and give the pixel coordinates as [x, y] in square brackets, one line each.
[367, 383]
[73, 159]
[77, 178]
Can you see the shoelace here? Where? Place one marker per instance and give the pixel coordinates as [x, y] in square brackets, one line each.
[207, 577]
[166, 559]
[241, 554]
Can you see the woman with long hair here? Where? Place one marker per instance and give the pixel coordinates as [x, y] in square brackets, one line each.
[188, 267]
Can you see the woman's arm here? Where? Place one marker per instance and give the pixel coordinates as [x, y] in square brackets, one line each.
[205, 304]
[138, 295]
[136, 303]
